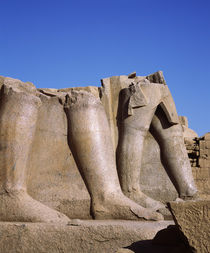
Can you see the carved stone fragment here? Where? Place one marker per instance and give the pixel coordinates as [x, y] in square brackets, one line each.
[193, 219]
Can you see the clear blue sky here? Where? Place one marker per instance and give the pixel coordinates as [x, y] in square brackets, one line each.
[64, 43]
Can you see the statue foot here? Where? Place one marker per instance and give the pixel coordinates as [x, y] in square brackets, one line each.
[145, 201]
[118, 206]
[19, 206]
[191, 194]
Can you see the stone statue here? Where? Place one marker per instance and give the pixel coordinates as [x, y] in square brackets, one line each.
[140, 103]
[146, 103]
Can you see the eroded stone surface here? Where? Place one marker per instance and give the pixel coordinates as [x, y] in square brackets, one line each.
[193, 219]
[143, 104]
[199, 155]
[87, 136]
[59, 150]
[85, 237]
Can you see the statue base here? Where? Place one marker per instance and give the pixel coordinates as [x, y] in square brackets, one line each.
[78, 236]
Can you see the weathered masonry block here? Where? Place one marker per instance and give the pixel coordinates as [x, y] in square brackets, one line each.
[199, 155]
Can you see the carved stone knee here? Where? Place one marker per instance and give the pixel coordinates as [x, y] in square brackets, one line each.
[19, 92]
[81, 99]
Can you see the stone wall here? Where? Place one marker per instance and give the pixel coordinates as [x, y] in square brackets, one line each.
[198, 149]
[199, 155]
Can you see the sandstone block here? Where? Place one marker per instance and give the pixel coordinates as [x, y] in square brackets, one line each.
[194, 171]
[203, 163]
[183, 121]
[85, 237]
[204, 152]
[156, 77]
[203, 186]
[207, 136]
[132, 75]
[193, 219]
[202, 144]
[207, 144]
[202, 173]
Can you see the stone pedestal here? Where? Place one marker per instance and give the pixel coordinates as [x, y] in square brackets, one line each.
[78, 236]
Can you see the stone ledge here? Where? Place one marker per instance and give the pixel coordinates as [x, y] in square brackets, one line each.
[83, 236]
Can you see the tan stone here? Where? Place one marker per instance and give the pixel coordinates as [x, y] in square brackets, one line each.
[132, 75]
[1, 81]
[203, 162]
[66, 151]
[205, 153]
[207, 136]
[203, 187]
[202, 173]
[189, 133]
[207, 144]
[151, 102]
[158, 185]
[202, 144]
[87, 135]
[183, 121]
[156, 77]
[124, 251]
[61, 186]
[193, 219]
[87, 237]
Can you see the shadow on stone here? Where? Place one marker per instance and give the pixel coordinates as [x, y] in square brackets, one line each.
[166, 240]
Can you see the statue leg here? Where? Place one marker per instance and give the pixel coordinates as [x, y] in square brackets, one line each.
[174, 155]
[132, 132]
[18, 114]
[90, 142]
